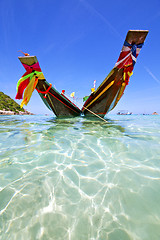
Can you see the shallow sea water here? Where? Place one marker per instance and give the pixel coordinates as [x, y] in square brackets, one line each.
[80, 179]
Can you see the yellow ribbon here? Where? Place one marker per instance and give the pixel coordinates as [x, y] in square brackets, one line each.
[122, 88]
[129, 74]
[29, 90]
[92, 90]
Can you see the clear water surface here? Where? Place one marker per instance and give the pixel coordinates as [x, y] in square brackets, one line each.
[80, 179]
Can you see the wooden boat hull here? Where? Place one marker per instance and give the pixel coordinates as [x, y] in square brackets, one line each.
[106, 97]
[56, 102]
[59, 104]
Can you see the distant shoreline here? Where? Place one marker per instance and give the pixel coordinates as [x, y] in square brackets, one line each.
[4, 112]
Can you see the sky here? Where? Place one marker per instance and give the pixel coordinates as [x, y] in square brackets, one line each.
[77, 42]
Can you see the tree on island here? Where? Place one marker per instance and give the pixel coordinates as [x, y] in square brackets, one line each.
[9, 106]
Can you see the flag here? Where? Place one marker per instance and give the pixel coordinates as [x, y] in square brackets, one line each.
[94, 84]
[72, 94]
[92, 90]
[85, 98]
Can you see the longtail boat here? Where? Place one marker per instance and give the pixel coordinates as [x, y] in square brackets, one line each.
[34, 79]
[107, 95]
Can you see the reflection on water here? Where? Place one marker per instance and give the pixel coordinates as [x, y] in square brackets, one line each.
[79, 178]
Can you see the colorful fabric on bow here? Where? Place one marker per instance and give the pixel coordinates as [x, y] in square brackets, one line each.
[128, 71]
[29, 89]
[28, 81]
[35, 67]
[128, 55]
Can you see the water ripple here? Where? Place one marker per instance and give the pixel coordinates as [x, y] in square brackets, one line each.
[79, 178]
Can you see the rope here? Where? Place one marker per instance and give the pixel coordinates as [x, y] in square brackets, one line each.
[48, 92]
[95, 114]
[49, 96]
[44, 92]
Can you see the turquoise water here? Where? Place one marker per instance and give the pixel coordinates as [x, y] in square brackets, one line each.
[80, 179]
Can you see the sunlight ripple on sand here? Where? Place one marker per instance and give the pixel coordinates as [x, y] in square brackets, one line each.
[80, 179]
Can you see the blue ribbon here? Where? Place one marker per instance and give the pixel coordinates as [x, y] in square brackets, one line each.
[133, 48]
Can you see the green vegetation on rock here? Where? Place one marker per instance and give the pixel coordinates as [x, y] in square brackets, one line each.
[8, 104]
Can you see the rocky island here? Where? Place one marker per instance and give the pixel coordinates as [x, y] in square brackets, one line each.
[9, 107]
